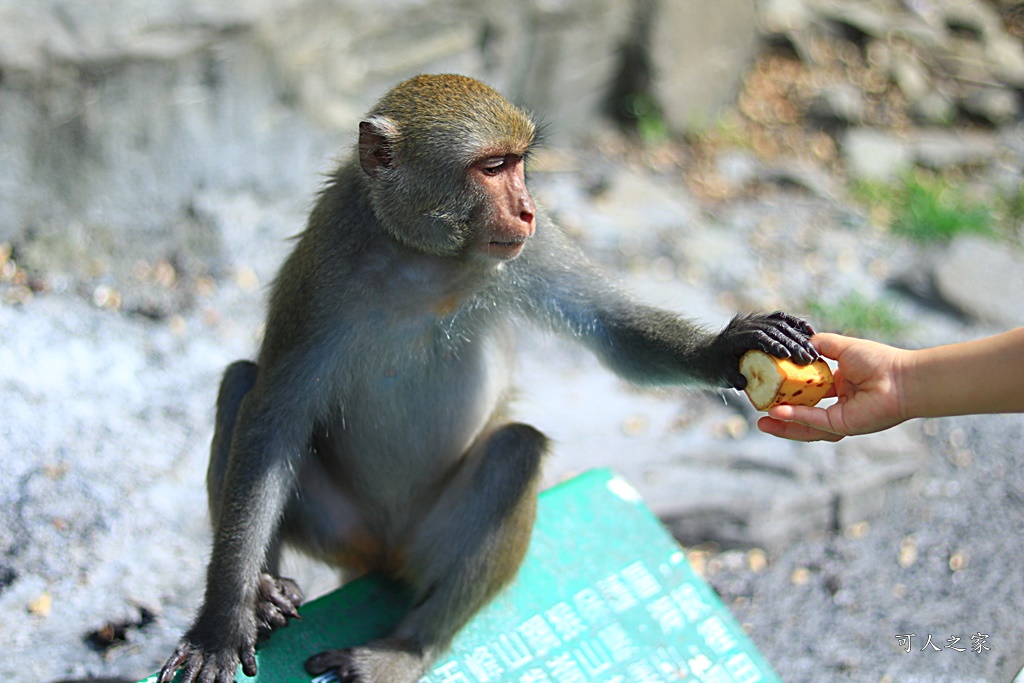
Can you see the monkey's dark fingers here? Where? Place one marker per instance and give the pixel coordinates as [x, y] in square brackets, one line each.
[277, 601]
[287, 608]
[188, 656]
[247, 656]
[181, 653]
[798, 347]
[290, 590]
[794, 334]
[192, 669]
[793, 321]
[270, 617]
[199, 667]
[771, 342]
[736, 380]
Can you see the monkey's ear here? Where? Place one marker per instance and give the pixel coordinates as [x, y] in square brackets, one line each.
[376, 144]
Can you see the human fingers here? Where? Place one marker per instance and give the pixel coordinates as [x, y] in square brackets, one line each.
[794, 431]
[831, 345]
[828, 420]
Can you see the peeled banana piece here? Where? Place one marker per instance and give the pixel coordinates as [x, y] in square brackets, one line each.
[775, 381]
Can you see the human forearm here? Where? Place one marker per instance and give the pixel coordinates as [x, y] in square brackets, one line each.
[982, 376]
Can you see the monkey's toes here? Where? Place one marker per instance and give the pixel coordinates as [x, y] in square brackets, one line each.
[290, 590]
[339, 661]
[277, 601]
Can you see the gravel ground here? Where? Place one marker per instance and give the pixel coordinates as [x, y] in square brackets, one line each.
[107, 416]
[943, 559]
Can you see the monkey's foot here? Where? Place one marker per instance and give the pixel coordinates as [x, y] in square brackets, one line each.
[277, 601]
[341, 662]
[386, 661]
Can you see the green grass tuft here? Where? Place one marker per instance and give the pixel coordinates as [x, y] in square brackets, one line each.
[857, 315]
[927, 208]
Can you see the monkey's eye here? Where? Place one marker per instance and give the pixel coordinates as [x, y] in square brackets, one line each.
[493, 166]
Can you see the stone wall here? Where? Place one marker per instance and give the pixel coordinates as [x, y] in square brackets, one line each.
[117, 117]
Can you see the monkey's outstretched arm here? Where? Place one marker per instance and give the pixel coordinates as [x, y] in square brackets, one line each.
[647, 345]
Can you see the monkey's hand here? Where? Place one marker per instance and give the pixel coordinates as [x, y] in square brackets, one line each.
[210, 655]
[779, 334]
[210, 658]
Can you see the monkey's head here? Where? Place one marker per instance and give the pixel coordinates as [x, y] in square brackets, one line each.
[445, 157]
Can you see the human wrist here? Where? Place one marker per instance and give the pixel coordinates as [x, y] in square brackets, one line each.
[907, 380]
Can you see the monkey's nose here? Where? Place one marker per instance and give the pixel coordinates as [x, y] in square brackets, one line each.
[527, 212]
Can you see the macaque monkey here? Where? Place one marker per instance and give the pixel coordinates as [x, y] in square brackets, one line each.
[373, 431]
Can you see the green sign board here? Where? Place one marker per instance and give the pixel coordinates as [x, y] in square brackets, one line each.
[605, 596]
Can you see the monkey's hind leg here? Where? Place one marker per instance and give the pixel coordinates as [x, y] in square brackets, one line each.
[467, 549]
[277, 598]
[238, 380]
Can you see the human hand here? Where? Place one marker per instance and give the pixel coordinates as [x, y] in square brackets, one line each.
[868, 383]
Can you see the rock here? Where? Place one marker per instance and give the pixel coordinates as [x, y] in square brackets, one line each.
[874, 155]
[721, 36]
[943, 147]
[719, 259]
[108, 134]
[842, 103]
[1003, 53]
[942, 54]
[783, 16]
[1006, 56]
[790, 493]
[554, 57]
[869, 19]
[780, 511]
[737, 167]
[983, 279]
[926, 97]
[558, 58]
[869, 468]
[933, 108]
[798, 173]
[112, 119]
[974, 16]
[910, 74]
[996, 105]
[634, 213]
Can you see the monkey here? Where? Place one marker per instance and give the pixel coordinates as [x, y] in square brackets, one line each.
[373, 431]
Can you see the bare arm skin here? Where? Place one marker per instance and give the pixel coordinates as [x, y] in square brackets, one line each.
[980, 376]
[373, 431]
[880, 386]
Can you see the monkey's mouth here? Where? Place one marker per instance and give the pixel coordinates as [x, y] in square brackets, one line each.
[504, 249]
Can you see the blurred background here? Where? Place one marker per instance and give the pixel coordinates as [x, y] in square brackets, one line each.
[858, 162]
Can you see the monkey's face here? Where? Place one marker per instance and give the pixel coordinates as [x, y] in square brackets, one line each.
[508, 217]
[445, 158]
[484, 210]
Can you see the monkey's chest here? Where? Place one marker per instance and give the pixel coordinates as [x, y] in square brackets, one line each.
[415, 410]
